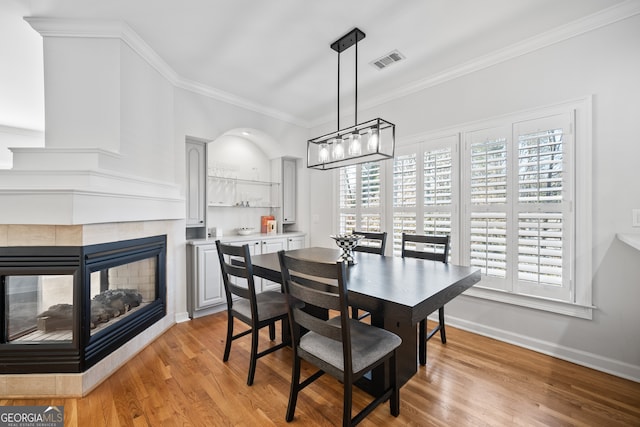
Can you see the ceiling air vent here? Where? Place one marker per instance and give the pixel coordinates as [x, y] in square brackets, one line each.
[388, 59]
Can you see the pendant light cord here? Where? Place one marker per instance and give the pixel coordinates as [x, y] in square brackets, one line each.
[356, 89]
[338, 91]
[356, 104]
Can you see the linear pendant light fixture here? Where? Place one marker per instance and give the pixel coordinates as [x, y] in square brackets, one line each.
[369, 141]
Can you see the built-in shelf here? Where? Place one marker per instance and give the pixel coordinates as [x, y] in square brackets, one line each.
[242, 181]
[227, 205]
[226, 192]
[631, 239]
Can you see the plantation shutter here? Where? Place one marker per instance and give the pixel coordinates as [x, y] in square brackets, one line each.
[425, 190]
[405, 191]
[438, 191]
[518, 218]
[371, 194]
[488, 209]
[347, 198]
[543, 209]
[360, 197]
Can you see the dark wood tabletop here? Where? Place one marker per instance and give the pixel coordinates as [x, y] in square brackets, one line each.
[399, 292]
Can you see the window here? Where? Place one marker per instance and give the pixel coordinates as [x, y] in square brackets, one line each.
[423, 189]
[518, 217]
[513, 193]
[360, 197]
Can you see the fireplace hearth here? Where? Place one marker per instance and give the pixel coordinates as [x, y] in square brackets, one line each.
[68, 307]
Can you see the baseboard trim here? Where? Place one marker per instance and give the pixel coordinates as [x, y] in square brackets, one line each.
[181, 317]
[579, 357]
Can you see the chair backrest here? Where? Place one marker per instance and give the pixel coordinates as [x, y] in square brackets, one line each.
[321, 285]
[373, 243]
[242, 269]
[435, 248]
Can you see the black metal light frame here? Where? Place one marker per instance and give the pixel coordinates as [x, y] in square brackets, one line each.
[369, 141]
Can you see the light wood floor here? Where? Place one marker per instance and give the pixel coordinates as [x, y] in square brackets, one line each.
[180, 380]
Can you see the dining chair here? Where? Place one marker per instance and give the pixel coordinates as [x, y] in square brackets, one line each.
[373, 243]
[256, 310]
[340, 346]
[434, 248]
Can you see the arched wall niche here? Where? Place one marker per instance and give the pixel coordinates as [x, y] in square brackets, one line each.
[243, 153]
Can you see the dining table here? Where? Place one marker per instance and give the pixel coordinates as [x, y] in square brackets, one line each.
[398, 292]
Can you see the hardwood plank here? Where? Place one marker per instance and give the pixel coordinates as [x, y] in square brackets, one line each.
[180, 380]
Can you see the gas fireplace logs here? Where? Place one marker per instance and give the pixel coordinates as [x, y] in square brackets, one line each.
[104, 306]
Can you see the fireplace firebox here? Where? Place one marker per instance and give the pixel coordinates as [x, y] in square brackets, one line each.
[67, 307]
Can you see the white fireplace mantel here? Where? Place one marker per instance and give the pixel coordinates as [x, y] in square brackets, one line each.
[76, 186]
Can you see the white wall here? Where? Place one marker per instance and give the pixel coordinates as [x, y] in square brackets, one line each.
[604, 63]
[146, 119]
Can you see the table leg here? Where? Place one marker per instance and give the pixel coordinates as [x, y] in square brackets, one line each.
[407, 353]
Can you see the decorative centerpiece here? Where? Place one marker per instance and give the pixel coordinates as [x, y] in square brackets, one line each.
[245, 231]
[347, 242]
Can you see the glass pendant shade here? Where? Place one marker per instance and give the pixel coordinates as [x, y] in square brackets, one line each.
[355, 145]
[323, 154]
[373, 141]
[338, 149]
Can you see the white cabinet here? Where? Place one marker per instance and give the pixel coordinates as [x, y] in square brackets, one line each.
[274, 245]
[264, 246]
[285, 170]
[295, 242]
[269, 246]
[205, 288]
[289, 188]
[196, 167]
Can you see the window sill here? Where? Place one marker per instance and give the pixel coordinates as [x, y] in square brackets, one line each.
[559, 307]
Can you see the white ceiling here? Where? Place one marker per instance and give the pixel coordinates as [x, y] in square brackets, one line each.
[275, 54]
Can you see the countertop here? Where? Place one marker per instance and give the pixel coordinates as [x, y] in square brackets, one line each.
[239, 238]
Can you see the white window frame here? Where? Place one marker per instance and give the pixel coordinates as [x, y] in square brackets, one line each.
[581, 272]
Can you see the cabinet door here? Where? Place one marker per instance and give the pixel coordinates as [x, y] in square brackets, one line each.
[269, 246]
[196, 158]
[296, 242]
[289, 181]
[274, 245]
[209, 286]
[254, 247]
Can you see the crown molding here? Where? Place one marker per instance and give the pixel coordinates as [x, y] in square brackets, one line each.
[572, 29]
[50, 27]
[208, 91]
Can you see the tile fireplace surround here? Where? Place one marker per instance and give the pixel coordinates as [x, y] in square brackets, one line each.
[80, 384]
